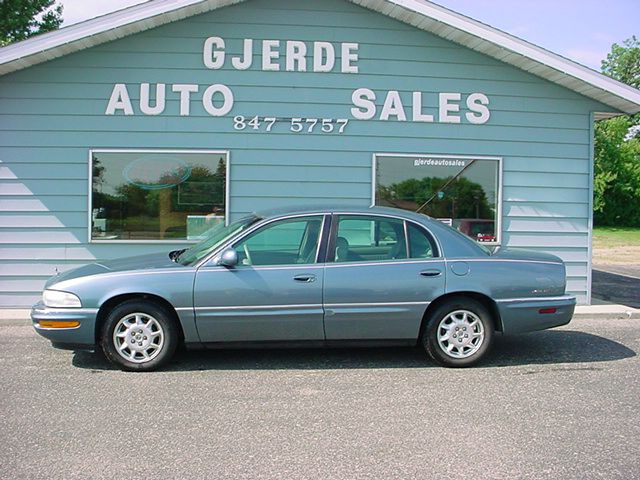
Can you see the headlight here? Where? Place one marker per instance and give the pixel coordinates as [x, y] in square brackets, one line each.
[54, 298]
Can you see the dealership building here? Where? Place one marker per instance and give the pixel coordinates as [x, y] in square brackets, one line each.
[139, 130]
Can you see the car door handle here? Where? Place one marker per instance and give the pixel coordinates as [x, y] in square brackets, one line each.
[305, 278]
[433, 272]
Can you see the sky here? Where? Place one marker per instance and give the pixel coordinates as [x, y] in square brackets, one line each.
[582, 30]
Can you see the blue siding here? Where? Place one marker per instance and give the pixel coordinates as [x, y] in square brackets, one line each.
[51, 114]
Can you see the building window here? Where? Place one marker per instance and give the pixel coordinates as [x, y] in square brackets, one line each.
[156, 194]
[463, 192]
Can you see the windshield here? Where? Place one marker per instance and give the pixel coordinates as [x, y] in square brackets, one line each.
[214, 237]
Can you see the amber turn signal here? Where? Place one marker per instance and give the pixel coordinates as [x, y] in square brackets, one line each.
[58, 324]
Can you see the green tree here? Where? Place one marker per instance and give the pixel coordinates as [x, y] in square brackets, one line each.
[20, 19]
[617, 147]
[617, 174]
[623, 62]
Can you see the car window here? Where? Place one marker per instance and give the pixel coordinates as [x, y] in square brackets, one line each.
[421, 245]
[284, 242]
[369, 239]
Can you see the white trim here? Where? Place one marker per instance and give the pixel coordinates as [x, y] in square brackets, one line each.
[498, 219]
[89, 196]
[155, 150]
[99, 30]
[227, 189]
[421, 14]
[90, 240]
[437, 155]
[509, 49]
[499, 206]
[592, 159]
[374, 172]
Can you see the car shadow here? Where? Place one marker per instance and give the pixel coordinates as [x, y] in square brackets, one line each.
[539, 348]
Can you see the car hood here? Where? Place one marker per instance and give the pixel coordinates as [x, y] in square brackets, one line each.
[141, 262]
[525, 255]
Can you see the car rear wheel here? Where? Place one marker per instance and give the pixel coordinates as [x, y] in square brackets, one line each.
[459, 333]
[139, 336]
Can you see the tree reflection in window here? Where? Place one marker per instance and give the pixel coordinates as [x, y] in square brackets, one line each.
[462, 192]
[156, 196]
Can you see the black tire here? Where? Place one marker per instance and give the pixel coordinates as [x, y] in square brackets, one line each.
[471, 344]
[146, 337]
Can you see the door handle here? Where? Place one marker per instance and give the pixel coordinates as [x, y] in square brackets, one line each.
[433, 272]
[305, 278]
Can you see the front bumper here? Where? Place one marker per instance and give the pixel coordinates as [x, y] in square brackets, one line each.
[522, 315]
[76, 338]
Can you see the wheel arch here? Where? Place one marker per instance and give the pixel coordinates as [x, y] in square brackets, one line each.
[116, 300]
[485, 300]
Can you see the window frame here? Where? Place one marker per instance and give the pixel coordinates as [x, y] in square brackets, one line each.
[499, 160]
[227, 196]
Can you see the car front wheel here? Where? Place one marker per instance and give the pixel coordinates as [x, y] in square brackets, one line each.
[459, 333]
[139, 336]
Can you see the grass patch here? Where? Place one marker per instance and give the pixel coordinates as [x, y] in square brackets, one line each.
[604, 237]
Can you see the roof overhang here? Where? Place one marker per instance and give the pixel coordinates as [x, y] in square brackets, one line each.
[421, 14]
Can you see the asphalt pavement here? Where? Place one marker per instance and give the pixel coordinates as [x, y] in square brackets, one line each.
[556, 404]
[618, 284]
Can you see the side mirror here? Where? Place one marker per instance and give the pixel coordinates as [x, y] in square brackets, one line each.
[229, 258]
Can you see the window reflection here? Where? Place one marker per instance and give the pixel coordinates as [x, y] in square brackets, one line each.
[462, 192]
[156, 196]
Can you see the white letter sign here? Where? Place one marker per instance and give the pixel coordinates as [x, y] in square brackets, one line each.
[322, 50]
[349, 54]
[365, 108]
[269, 54]
[185, 91]
[477, 102]
[207, 100]
[247, 60]
[119, 100]
[446, 107]
[145, 107]
[393, 106]
[213, 59]
[295, 56]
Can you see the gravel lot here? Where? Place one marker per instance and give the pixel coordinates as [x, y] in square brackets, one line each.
[550, 405]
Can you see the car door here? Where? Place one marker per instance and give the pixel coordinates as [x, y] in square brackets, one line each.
[381, 273]
[274, 293]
